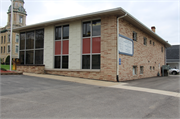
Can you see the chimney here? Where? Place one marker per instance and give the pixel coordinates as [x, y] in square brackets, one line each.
[153, 28]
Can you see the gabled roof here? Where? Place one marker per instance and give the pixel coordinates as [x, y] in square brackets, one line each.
[172, 53]
[117, 12]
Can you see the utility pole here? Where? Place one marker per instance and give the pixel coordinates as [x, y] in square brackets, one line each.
[11, 34]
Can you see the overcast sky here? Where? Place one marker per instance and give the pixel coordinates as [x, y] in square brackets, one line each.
[163, 14]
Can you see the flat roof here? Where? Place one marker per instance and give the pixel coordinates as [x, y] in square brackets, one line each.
[116, 11]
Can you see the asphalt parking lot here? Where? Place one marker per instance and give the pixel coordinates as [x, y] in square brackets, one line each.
[34, 97]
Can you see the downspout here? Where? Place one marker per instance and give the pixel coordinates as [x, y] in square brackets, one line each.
[117, 70]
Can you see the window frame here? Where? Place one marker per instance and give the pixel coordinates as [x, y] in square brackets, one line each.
[1, 49]
[4, 39]
[90, 37]
[134, 73]
[16, 46]
[1, 39]
[61, 39]
[134, 35]
[145, 41]
[4, 49]
[162, 49]
[8, 49]
[20, 19]
[34, 49]
[17, 40]
[141, 70]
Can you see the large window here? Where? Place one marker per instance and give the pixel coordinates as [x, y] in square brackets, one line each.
[31, 47]
[4, 49]
[141, 69]
[20, 19]
[134, 70]
[61, 57]
[17, 38]
[8, 50]
[1, 50]
[91, 45]
[4, 39]
[145, 41]
[1, 39]
[16, 48]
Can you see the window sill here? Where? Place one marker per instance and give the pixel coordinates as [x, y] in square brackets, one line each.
[75, 70]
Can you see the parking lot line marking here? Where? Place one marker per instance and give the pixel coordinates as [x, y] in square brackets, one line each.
[155, 91]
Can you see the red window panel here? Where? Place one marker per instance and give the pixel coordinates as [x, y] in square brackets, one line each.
[65, 47]
[96, 45]
[86, 46]
[58, 48]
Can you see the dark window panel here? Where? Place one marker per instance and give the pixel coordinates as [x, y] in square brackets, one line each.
[65, 62]
[96, 27]
[86, 62]
[22, 41]
[86, 29]
[21, 57]
[30, 40]
[57, 62]
[39, 57]
[134, 36]
[58, 33]
[96, 61]
[29, 57]
[66, 32]
[39, 42]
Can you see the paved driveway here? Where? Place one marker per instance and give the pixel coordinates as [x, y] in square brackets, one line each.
[36, 97]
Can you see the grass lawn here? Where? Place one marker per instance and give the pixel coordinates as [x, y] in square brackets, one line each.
[7, 67]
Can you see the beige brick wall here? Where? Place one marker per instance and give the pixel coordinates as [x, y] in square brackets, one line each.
[143, 55]
[31, 69]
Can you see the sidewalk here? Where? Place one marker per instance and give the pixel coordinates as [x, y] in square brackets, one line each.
[118, 85]
[77, 80]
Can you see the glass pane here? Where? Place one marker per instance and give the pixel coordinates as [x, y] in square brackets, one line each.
[58, 33]
[96, 27]
[57, 62]
[57, 47]
[29, 57]
[86, 62]
[17, 48]
[66, 47]
[39, 57]
[65, 62]
[96, 45]
[21, 57]
[30, 40]
[22, 41]
[66, 32]
[86, 29]
[96, 60]
[86, 46]
[39, 39]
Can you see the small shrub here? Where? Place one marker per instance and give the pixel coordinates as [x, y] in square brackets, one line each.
[3, 69]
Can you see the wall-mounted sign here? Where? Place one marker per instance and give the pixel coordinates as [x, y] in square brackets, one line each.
[125, 45]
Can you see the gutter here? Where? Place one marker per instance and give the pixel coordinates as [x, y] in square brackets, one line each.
[117, 70]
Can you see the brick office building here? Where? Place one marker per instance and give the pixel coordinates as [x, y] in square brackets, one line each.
[106, 45]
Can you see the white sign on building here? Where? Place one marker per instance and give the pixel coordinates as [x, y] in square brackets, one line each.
[125, 45]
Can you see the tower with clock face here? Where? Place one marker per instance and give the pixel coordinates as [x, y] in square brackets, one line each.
[19, 14]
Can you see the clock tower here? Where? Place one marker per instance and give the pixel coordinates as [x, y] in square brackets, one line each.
[19, 14]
